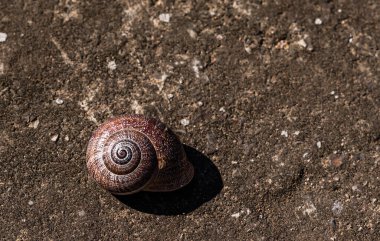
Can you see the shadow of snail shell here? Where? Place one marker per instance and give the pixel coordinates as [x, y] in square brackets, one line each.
[131, 153]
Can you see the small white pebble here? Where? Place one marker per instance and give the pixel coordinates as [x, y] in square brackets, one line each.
[305, 154]
[302, 43]
[34, 124]
[337, 207]
[165, 17]
[199, 103]
[248, 211]
[236, 215]
[248, 50]
[81, 213]
[336, 96]
[318, 21]
[339, 10]
[30, 203]
[192, 33]
[319, 144]
[112, 65]
[67, 138]
[163, 77]
[219, 37]
[251, 160]
[185, 122]
[59, 101]
[3, 37]
[222, 109]
[234, 162]
[54, 138]
[350, 40]
[196, 65]
[170, 96]
[332, 93]
[296, 133]
[23, 220]
[284, 133]
[355, 188]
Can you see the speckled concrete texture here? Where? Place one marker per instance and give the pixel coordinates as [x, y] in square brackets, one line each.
[278, 103]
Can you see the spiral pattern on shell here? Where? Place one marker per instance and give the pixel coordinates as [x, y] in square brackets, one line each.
[132, 153]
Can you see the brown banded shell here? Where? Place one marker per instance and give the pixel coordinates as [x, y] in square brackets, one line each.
[132, 153]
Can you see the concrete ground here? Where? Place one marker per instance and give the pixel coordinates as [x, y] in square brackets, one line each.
[278, 103]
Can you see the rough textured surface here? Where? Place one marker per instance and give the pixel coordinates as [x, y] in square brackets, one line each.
[283, 97]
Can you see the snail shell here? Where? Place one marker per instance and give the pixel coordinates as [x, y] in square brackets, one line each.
[131, 153]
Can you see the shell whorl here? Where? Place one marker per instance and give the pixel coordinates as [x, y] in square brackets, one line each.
[131, 153]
